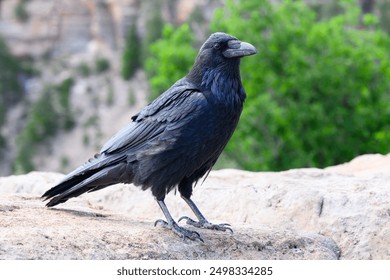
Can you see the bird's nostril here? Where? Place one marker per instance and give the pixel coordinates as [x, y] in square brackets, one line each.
[234, 44]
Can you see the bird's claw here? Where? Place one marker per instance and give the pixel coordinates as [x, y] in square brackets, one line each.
[162, 222]
[205, 224]
[180, 231]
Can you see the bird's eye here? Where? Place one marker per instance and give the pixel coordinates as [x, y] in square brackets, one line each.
[217, 46]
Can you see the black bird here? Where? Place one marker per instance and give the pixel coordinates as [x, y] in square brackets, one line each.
[176, 139]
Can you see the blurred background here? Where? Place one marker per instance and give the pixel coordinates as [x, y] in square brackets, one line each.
[73, 72]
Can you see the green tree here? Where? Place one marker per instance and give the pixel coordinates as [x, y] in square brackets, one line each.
[131, 53]
[154, 26]
[20, 11]
[63, 92]
[10, 88]
[171, 58]
[318, 92]
[102, 65]
[384, 10]
[41, 124]
[50, 113]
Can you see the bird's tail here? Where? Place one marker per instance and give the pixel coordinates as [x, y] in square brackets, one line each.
[96, 174]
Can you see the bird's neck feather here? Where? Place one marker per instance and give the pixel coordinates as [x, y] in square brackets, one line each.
[223, 82]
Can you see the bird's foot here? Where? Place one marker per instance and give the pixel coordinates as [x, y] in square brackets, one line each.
[180, 231]
[205, 224]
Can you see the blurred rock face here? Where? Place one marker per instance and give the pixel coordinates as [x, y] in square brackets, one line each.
[59, 27]
[65, 27]
[67, 39]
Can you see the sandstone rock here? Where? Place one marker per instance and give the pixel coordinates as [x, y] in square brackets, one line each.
[296, 214]
[30, 231]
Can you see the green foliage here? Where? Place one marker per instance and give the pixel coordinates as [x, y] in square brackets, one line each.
[2, 116]
[21, 11]
[64, 162]
[92, 131]
[92, 121]
[10, 89]
[131, 53]
[171, 58]
[318, 91]
[137, 50]
[84, 70]
[384, 10]
[110, 92]
[48, 115]
[102, 65]
[131, 99]
[154, 26]
[327, 9]
[86, 140]
[41, 124]
[65, 110]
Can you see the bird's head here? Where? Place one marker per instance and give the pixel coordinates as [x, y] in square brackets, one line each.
[220, 49]
[222, 46]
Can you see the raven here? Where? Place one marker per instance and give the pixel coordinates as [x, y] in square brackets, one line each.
[176, 139]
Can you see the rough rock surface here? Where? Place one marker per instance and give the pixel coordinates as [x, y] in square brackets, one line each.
[338, 212]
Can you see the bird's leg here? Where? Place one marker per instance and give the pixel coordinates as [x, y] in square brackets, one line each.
[172, 225]
[202, 222]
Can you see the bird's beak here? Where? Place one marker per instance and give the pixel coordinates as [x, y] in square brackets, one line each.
[237, 48]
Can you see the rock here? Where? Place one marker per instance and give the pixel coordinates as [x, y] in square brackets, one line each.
[31, 231]
[65, 27]
[338, 212]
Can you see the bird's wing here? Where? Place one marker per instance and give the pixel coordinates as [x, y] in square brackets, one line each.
[173, 105]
